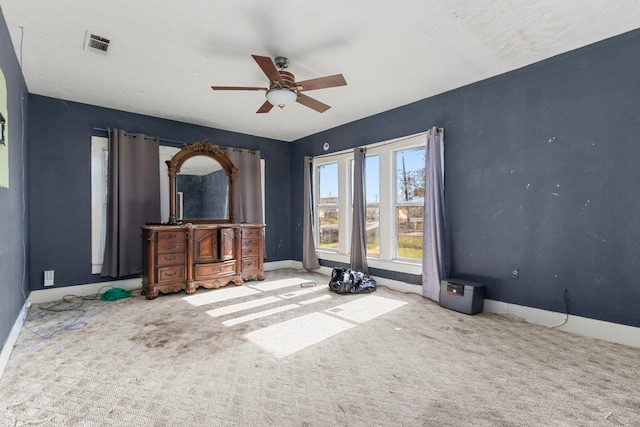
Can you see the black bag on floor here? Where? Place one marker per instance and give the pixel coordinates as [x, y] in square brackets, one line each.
[346, 281]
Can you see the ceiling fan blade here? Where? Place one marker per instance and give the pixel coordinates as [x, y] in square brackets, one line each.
[322, 82]
[265, 108]
[237, 88]
[269, 68]
[314, 104]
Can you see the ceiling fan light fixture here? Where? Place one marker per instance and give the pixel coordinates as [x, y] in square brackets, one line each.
[281, 97]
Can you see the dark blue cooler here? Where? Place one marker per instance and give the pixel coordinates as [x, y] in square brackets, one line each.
[462, 295]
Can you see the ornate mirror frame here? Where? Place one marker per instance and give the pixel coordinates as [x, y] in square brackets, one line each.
[201, 148]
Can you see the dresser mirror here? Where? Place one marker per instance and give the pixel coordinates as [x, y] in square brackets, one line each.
[202, 188]
[201, 185]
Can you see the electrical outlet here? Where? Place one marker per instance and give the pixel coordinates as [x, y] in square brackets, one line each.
[515, 273]
[48, 278]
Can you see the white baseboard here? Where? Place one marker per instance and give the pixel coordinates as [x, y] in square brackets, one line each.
[12, 338]
[278, 265]
[608, 331]
[56, 294]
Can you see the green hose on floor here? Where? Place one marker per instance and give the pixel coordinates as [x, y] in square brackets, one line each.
[115, 294]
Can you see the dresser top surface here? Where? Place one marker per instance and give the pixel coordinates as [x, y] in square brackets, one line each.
[175, 227]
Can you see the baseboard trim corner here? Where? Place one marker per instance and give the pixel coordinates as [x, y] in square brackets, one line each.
[278, 265]
[12, 338]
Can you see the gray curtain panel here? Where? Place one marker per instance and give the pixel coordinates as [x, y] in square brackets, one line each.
[358, 259]
[133, 199]
[435, 252]
[309, 256]
[248, 185]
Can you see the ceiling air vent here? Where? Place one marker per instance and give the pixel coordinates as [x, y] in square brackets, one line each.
[96, 43]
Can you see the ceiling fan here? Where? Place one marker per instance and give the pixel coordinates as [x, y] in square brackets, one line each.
[283, 89]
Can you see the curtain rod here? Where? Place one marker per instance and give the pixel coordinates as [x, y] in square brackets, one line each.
[161, 139]
[375, 144]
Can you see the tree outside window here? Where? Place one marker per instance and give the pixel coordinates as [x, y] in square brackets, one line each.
[410, 184]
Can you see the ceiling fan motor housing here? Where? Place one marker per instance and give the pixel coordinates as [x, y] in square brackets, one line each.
[281, 62]
[288, 78]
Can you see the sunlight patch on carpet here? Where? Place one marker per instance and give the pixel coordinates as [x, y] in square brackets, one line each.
[235, 308]
[259, 315]
[364, 309]
[286, 338]
[218, 295]
[302, 291]
[272, 311]
[277, 284]
[313, 300]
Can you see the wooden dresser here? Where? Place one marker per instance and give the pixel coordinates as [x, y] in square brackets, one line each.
[185, 257]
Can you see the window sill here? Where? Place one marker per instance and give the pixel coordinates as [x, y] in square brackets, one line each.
[399, 266]
[96, 268]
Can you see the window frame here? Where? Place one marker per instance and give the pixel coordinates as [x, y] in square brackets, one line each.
[344, 197]
[387, 259]
[99, 145]
[402, 204]
[368, 204]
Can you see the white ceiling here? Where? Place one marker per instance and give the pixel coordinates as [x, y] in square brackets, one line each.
[165, 55]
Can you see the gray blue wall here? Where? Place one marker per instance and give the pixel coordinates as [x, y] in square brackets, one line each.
[60, 187]
[13, 255]
[542, 167]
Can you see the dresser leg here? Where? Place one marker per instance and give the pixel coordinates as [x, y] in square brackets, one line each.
[150, 293]
[190, 288]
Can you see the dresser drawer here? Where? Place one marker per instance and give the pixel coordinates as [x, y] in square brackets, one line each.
[170, 236]
[170, 247]
[170, 259]
[250, 232]
[250, 243]
[169, 274]
[250, 251]
[204, 271]
[250, 263]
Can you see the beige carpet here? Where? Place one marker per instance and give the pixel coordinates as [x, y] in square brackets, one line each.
[275, 354]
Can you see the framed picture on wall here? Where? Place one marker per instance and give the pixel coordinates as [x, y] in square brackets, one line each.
[4, 133]
[3, 123]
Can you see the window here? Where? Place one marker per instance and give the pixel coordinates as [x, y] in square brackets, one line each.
[99, 168]
[409, 205]
[327, 211]
[395, 197]
[372, 193]
[99, 190]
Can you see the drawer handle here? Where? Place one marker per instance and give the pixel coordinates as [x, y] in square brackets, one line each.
[171, 246]
[171, 258]
[171, 274]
